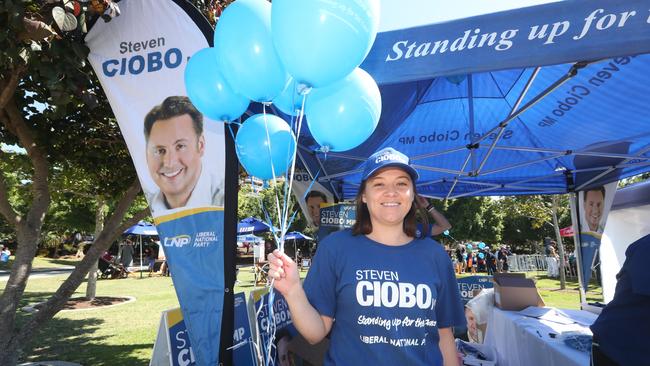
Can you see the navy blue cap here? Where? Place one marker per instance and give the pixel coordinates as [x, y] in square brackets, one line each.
[388, 157]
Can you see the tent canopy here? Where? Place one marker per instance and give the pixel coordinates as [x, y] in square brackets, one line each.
[469, 103]
[249, 238]
[296, 235]
[142, 228]
[252, 225]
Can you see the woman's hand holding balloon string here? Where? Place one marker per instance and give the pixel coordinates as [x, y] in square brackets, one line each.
[284, 271]
[285, 278]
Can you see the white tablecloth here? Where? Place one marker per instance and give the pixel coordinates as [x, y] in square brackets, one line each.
[521, 340]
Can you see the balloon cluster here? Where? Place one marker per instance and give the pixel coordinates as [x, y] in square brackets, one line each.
[294, 54]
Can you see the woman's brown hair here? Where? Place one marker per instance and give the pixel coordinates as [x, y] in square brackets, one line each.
[363, 224]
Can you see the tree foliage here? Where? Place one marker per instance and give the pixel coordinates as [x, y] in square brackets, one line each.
[522, 222]
[265, 202]
[52, 106]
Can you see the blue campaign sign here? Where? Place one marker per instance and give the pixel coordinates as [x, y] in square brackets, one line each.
[181, 352]
[589, 245]
[336, 217]
[281, 317]
[243, 347]
[180, 348]
[467, 286]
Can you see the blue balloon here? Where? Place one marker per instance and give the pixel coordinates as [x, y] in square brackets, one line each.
[247, 57]
[446, 232]
[481, 255]
[469, 246]
[481, 245]
[343, 115]
[265, 144]
[290, 100]
[321, 41]
[209, 91]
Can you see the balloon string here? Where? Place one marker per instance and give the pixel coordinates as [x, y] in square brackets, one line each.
[285, 222]
[287, 186]
[290, 176]
[304, 196]
[277, 201]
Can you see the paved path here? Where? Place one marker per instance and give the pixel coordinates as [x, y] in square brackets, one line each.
[41, 272]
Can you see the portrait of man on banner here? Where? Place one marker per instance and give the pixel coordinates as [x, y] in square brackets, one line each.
[593, 207]
[311, 195]
[175, 147]
[593, 204]
[314, 199]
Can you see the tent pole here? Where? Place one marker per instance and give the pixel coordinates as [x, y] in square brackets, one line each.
[470, 101]
[341, 174]
[560, 245]
[304, 163]
[462, 170]
[611, 169]
[438, 153]
[140, 256]
[440, 170]
[576, 239]
[336, 193]
[522, 164]
[502, 126]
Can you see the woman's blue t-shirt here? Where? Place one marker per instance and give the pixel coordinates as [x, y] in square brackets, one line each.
[387, 301]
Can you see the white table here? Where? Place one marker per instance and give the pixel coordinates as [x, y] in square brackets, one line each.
[522, 340]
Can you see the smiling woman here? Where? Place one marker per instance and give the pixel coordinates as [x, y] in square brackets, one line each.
[385, 295]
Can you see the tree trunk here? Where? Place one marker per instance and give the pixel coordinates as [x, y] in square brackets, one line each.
[560, 245]
[27, 227]
[22, 336]
[100, 212]
[26, 250]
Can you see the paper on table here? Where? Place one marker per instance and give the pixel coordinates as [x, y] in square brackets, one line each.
[548, 314]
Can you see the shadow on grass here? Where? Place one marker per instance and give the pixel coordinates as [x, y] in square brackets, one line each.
[74, 341]
[64, 262]
[34, 297]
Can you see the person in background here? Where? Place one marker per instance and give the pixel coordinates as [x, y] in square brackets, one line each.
[552, 261]
[356, 275]
[127, 254]
[440, 221]
[621, 330]
[5, 254]
[490, 261]
[151, 260]
[502, 257]
[471, 262]
[459, 259]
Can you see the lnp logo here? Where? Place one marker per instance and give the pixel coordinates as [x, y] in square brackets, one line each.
[178, 241]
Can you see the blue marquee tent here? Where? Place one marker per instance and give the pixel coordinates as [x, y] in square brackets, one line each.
[142, 228]
[546, 99]
[473, 105]
[296, 235]
[252, 225]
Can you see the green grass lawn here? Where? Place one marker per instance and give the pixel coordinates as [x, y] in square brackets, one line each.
[43, 262]
[120, 335]
[125, 334]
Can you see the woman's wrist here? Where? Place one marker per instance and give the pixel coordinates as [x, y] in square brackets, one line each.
[431, 207]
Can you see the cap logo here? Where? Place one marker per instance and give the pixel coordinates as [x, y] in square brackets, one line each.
[390, 156]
